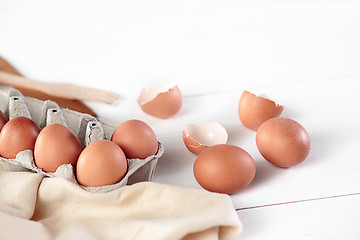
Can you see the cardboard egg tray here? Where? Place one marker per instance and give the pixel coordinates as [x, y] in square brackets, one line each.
[86, 127]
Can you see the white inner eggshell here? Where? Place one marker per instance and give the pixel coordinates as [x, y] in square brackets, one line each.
[269, 98]
[148, 94]
[266, 96]
[208, 133]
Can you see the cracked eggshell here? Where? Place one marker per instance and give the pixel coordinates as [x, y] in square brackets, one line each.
[162, 100]
[254, 110]
[197, 138]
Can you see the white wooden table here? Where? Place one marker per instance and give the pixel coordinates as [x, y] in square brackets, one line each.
[305, 54]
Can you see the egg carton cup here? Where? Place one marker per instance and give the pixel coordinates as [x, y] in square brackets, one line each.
[86, 127]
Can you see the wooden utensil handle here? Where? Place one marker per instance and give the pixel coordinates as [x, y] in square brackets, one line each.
[18, 81]
[72, 104]
[64, 90]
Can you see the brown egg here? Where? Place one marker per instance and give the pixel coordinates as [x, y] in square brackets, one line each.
[224, 168]
[101, 163]
[197, 138]
[162, 100]
[3, 120]
[17, 135]
[254, 110]
[56, 145]
[283, 142]
[136, 139]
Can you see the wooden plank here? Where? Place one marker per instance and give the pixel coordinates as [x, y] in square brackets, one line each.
[330, 118]
[332, 218]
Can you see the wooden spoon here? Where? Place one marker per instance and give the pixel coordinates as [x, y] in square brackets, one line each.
[75, 105]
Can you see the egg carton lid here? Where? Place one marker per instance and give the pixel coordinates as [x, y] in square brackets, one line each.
[86, 127]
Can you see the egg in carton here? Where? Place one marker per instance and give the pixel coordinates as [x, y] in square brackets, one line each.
[86, 127]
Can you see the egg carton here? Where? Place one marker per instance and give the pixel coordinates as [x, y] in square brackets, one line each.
[86, 127]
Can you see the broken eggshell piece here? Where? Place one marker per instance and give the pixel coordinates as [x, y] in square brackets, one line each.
[162, 100]
[197, 138]
[254, 110]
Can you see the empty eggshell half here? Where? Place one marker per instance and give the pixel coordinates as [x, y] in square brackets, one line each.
[197, 138]
[254, 110]
[162, 100]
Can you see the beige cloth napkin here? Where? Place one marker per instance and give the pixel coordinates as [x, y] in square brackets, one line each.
[34, 207]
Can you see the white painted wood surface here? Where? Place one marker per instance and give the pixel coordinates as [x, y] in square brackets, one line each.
[305, 54]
